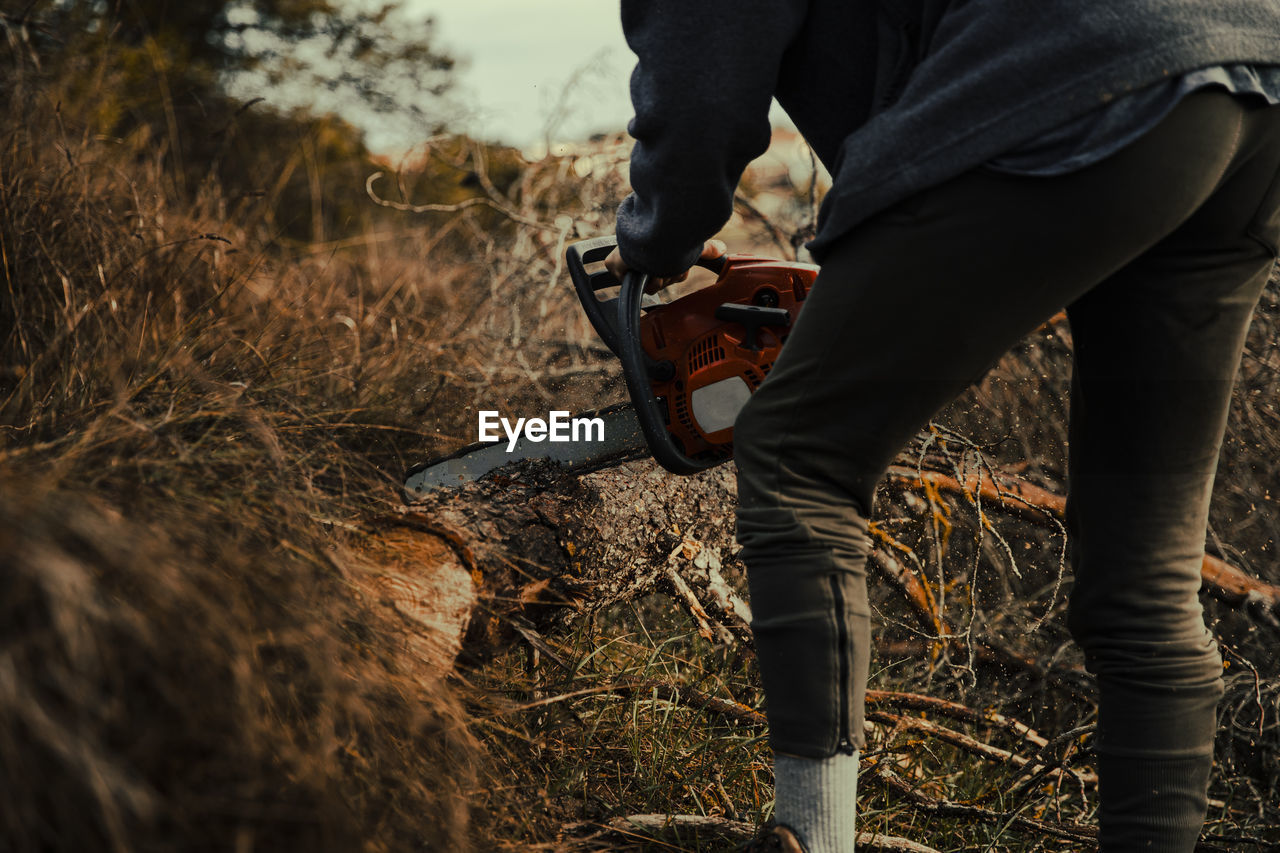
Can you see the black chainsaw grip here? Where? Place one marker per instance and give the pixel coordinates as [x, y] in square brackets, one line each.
[586, 284]
[632, 355]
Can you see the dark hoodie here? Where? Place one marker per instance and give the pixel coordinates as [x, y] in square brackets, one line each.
[894, 96]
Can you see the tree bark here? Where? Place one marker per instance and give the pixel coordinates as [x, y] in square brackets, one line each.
[544, 548]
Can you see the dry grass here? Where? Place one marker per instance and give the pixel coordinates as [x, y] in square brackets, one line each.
[580, 746]
[186, 422]
[192, 412]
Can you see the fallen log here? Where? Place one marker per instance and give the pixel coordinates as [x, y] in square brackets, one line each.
[553, 548]
[422, 582]
[557, 548]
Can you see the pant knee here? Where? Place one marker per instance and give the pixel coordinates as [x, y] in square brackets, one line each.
[1127, 649]
[811, 624]
[1158, 690]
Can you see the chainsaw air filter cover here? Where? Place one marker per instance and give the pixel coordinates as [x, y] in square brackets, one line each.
[720, 343]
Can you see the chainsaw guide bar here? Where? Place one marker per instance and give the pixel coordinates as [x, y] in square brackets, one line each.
[622, 441]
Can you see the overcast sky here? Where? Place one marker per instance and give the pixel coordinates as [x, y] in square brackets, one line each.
[519, 57]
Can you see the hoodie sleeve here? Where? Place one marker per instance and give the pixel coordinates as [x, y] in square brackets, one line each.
[701, 90]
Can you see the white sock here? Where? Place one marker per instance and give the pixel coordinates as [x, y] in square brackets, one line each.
[818, 799]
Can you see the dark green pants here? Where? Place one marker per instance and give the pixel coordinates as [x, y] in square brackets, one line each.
[1160, 253]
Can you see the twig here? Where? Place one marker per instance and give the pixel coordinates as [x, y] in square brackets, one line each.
[705, 627]
[1225, 582]
[911, 588]
[1015, 496]
[1064, 739]
[690, 697]
[954, 710]
[776, 233]
[969, 744]
[942, 733]
[654, 823]
[878, 772]
[505, 210]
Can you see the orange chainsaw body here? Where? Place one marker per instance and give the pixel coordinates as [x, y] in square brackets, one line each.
[716, 359]
[692, 363]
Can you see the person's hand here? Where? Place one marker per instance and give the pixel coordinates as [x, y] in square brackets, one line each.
[711, 250]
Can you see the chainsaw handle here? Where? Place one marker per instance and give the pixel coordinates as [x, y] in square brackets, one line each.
[617, 322]
[634, 360]
[577, 257]
[593, 251]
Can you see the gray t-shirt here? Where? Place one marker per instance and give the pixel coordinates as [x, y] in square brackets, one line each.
[1106, 130]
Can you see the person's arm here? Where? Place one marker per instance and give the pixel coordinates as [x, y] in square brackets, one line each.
[701, 91]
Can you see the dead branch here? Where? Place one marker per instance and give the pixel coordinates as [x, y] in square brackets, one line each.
[971, 745]
[1059, 319]
[919, 702]
[1013, 495]
[504, 209]
[875, 841]
[1066, 740]
[963, 741]
[1233, 587]
[702, 563]
[690, 697]
[656, 823]
[909, 586]
[685, 593]
[886, 777]
[1225, 582]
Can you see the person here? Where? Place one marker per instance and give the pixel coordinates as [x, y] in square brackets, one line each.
[992, 162]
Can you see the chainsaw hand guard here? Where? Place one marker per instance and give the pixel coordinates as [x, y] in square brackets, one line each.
[652, 417]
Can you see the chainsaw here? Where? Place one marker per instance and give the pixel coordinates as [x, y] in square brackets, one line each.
[689, 364]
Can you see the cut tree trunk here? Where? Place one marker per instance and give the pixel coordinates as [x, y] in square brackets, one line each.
[551, 548]
[543, 549]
